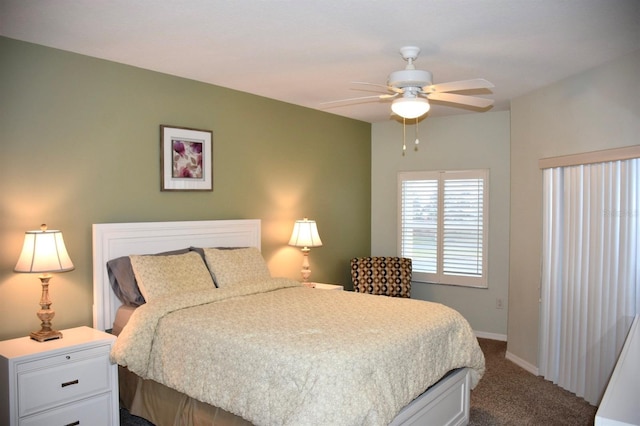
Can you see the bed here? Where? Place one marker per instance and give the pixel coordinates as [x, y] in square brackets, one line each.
[264, 350]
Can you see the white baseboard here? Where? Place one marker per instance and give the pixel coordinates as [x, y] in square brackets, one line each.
[492, 336]
[511, 357]
[522, 363]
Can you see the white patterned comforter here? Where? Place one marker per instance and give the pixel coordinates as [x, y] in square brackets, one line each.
[277, 353]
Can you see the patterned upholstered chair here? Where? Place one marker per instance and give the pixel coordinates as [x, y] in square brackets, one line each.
[388, 276]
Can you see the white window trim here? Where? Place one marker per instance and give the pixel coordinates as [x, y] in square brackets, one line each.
[441, 176]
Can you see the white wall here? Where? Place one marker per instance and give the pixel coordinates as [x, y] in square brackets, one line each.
[591, 111]
[469, 141]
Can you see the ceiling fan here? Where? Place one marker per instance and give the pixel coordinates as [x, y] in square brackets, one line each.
[411, 89]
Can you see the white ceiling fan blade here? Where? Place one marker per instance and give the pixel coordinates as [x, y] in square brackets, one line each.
[361, 98]
[473, 101]
[393, 89]
[455, 86]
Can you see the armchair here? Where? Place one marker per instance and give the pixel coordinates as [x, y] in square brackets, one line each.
[388, 276]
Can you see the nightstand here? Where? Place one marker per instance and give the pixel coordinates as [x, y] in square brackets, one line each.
[323, 286]
[68, 381]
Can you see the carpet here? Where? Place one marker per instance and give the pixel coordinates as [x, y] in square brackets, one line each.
[510, 395]
[507, 395]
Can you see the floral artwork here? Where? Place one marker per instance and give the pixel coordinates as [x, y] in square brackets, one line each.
[187, 159]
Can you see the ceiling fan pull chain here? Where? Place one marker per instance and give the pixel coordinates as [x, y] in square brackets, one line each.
[417, 140]
[404, 136]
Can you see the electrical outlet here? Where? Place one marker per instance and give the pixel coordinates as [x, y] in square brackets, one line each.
[499, 304]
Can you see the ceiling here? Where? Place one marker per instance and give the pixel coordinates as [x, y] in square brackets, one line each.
[308, 52]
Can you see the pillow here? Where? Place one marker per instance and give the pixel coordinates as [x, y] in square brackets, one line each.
[200, 251]
[234, 266]
[160, 276]
[123, 281]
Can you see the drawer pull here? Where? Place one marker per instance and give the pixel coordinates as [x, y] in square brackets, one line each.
[73, 382]
[76, 423]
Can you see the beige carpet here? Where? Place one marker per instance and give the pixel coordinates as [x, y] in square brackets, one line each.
[509, 395]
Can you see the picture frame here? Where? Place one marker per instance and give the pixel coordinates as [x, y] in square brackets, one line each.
[186, 159]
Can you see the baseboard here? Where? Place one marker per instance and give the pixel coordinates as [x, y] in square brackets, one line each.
[491, 336]
[511, 357]
[522, 363]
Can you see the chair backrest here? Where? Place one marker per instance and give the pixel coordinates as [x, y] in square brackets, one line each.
[388, 276]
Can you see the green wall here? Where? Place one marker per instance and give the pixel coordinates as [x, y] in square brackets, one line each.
[80, 145]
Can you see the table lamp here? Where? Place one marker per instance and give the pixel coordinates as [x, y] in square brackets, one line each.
[305, 235]
[43, 252]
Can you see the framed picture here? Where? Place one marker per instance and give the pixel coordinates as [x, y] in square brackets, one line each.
[186, 159]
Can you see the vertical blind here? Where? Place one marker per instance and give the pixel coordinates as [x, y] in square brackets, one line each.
[442, 225]
[590, 289]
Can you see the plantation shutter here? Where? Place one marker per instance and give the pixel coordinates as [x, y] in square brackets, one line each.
[463, 227]
[419, 224]
[443, 225]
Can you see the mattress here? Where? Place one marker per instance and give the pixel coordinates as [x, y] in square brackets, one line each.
[123, 314]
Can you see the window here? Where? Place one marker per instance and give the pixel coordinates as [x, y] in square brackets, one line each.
[443, 219]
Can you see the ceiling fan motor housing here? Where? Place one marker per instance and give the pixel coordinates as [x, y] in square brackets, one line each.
[410, 78]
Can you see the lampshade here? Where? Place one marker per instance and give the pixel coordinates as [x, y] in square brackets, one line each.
[44, 251]
[412, 107]
[305, 234]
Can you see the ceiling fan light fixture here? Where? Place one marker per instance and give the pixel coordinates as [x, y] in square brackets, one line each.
[410, 107]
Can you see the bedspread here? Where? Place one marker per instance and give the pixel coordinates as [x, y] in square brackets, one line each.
[277, 353]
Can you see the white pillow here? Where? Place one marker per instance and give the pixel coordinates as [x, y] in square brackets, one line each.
[237, 265]
[160, 276]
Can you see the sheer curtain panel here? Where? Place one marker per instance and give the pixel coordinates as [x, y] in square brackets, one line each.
[590, 288]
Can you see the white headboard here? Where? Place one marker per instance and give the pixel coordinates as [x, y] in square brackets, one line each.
[112, 240]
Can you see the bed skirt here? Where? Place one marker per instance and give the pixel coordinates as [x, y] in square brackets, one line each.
[164, 406]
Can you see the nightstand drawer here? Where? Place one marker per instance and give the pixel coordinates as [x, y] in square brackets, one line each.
[60, 379]
[91, 412]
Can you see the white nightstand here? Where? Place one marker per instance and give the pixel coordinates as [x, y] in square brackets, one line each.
[68, 381]
[323, 286]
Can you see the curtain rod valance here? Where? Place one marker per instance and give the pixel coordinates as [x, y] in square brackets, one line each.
[614, 154]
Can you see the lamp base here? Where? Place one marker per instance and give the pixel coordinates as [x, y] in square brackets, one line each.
[45, 314]
[44, 335]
